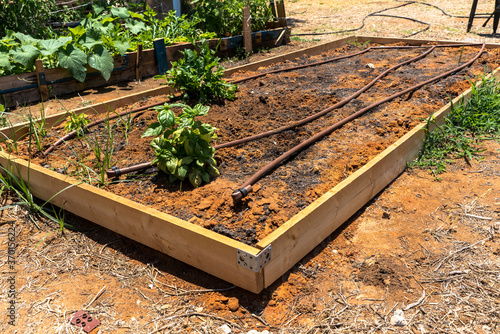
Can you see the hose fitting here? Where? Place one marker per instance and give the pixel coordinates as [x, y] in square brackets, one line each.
[241, 193]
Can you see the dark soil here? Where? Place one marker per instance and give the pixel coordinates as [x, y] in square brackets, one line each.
[274, 101]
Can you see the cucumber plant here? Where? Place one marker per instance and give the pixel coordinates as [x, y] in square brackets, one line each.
[182, 144]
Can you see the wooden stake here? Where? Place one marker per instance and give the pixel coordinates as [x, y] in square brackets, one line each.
[247, 30]
[42, 84]
[280, 6]
[138, 63]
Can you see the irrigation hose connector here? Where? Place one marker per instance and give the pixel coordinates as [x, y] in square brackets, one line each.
[239, 194]
[114, 171]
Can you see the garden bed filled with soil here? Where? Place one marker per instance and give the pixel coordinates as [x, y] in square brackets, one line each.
[271, 102]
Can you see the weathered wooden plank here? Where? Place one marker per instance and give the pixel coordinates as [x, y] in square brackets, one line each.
[303, 232]
[20, 129]
[247, 31]
[192, 244]
[42, 85]
[17, 81]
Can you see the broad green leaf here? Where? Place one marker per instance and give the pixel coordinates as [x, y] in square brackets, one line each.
[136, 16]
[181, 172]
[50, 46]
[91, 38]
[77, 32]
[98, 8]
[65, 39]
[5, 61]
[121, 12]
[205, 176]
[26, 39]
[101, 60]
[154, 129]
[135, 26]
[195, 178]
[108, 20]
[172, 165]
[166, 118]
[122, 46]
[75, 61]
[26, 55]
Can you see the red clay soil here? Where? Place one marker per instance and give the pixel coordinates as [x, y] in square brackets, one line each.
[274, 101]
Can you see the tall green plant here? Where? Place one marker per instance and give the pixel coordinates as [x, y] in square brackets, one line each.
[224, 17]
[199, 76]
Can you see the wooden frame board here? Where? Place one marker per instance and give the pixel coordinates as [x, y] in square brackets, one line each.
[207, 250]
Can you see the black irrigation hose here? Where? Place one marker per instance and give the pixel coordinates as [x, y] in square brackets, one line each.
[247, 186]
[115, 171]
[377, 13]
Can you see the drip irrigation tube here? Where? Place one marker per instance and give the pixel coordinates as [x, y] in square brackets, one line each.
[72, 134]
[115, 171]
[246, 188]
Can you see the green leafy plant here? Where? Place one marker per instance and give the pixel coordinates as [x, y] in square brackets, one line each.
[99, 37]
[182, 144]
[199, 76]
[209, 13]
[76, 122]
[468, 123]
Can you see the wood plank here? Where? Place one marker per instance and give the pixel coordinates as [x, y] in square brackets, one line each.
[138, 63]
[192, 244]
[280, 7]
[303, 232]
[20, 129]
[315, 50]
[17, 80]
[247, 31]
[412, 41]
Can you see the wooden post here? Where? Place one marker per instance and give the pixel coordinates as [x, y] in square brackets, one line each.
[247, 30]
[138, 63]
[42, 83]
[280, 6]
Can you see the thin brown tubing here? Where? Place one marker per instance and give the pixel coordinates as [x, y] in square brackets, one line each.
[300, 66]
[324, 111]
[247, 186]
[120, 171]
[347, 56]
[116, 171]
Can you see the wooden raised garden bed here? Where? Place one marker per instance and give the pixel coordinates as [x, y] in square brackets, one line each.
[252, 267]
[21, 89]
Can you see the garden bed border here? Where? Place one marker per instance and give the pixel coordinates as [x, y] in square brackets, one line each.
[216, 254]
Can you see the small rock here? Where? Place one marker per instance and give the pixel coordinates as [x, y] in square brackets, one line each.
[386, 215]
[205, 204]
[272, 303]
[224, 329]
[219, 306]
[398, 319]
[233, 304]
[370, 65]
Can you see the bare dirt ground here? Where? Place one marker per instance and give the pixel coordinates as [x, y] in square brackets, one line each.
[423, 249]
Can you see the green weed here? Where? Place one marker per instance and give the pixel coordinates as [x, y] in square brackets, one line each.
[468, 123]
